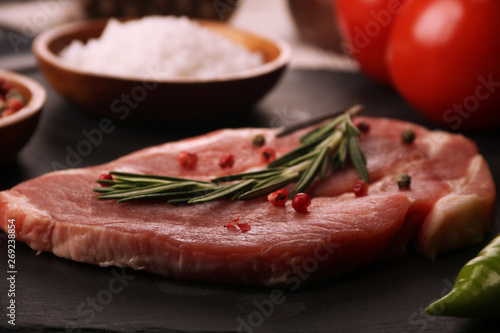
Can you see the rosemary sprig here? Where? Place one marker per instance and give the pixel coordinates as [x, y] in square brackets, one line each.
[327, 146]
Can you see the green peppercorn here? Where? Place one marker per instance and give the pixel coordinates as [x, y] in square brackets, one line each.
[403, 180]
[259, 140]
[408, 136]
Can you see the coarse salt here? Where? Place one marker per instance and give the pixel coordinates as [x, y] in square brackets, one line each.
[158, 48]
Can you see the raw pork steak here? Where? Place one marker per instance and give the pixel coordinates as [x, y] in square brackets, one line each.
[449, 205]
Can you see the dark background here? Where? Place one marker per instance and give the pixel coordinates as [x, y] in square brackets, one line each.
[53, 293]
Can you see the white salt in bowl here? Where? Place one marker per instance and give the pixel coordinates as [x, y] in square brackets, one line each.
[159, 100]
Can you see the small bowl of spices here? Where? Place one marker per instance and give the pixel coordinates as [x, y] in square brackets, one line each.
[21, 102]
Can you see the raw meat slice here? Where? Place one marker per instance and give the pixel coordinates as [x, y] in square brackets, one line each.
[446, 169]
[191, 242]
[58, 212]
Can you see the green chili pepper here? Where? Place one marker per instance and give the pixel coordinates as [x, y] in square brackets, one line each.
[476, 293]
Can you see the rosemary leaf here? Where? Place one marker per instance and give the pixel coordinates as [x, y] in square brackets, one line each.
[301, 160]
[116, 192]
[336, 163]
[236, 195]
[123, 186]
[313, 135]
[224, 192]
[141, 180]
[311, 172]
[179, 201]
[107, 182]
[250, 175]
[342, 152]
[128, 175]
[323, 131]
[296, 153]
[281, 180]
[119, 194]
[324, 167]
[178, 195]
[270, 186]
[351, 128]
[358, 158]
[103, 189]
[264, 175]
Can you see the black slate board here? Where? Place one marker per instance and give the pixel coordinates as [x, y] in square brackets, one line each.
[58, 295]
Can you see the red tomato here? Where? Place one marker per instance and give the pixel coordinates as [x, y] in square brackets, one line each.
[365, 27]
[444, 58]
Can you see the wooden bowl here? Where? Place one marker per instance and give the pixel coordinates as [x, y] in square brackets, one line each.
[164, 100]
[316, 23]
[220, 10]
[17, 129]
